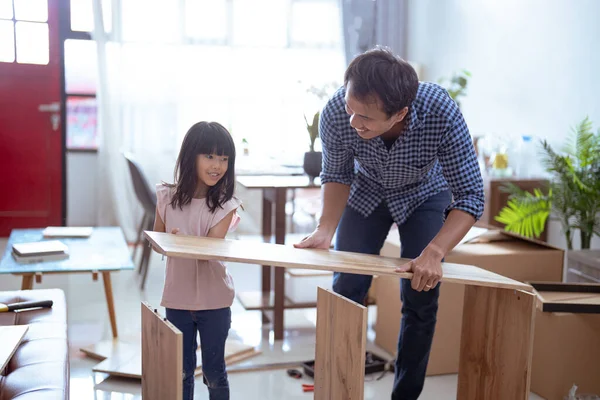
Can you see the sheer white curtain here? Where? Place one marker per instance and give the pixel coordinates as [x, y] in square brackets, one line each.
[168, 64]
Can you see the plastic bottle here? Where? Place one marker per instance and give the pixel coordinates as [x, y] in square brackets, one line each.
[527, 158]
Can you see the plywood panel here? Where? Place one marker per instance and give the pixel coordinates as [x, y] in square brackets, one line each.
[496, 344]
[162, 357]
[124, 358]
[10, 339]
[277, 255]
[340, 348]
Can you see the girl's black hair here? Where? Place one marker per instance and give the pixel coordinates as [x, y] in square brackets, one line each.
[204, 138]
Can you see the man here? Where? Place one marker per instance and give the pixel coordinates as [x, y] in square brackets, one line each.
[397, 150]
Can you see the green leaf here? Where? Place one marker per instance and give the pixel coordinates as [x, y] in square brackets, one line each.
[526, 216]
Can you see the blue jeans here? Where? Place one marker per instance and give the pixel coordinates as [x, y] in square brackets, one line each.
[213, 326]
[367, 235]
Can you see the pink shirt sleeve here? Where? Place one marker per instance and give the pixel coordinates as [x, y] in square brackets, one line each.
[163, 198]
[221, 213]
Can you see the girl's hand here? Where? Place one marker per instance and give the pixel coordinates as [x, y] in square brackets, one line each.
[175, 231]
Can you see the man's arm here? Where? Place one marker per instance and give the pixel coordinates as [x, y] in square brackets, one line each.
[335, 196]
[336, 178]
[461, 171]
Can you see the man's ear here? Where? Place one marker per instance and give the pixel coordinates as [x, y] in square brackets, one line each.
[400, 115]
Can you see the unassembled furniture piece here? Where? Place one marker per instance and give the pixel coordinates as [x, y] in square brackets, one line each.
[274, 193]
[340, 347]
[498, 317]
[162, 357]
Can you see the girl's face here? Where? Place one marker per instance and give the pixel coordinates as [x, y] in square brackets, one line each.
[210, 168]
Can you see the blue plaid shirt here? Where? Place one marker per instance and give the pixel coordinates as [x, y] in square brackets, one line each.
[435, 152]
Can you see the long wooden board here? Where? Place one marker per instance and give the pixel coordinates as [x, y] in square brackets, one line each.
[496, 345]
[162, 357]
[129, 365]
[10, 339]
[340, 347]
[277, 255]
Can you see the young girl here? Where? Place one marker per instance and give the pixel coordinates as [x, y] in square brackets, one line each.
[198, 294]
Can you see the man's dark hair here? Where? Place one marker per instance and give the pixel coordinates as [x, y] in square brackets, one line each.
[381, 73]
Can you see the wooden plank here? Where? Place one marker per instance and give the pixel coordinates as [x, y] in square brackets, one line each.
[340, 347]
[124, 359]
[112, 348]
[129, 365]
[496, 344]
[570, 287]
[10, 339]
[277, 255]
[162, 357]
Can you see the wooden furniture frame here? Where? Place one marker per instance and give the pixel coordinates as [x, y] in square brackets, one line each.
[162, 357]
[274, 195]
[498, 318]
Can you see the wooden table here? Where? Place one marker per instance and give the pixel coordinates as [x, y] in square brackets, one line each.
[274, 192]
[498, 317]
[105, 251]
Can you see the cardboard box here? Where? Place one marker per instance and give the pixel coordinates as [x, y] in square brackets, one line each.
[566, 345]
[301, 284]
[506, 254]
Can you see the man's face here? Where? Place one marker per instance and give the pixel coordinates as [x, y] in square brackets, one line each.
[367, 117]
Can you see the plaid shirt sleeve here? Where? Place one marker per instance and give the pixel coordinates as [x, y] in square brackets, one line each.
[460, 168]
[338, 157]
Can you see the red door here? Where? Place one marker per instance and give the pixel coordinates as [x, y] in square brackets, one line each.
[31, 142]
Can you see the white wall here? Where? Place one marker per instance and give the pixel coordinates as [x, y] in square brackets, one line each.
[535, 63]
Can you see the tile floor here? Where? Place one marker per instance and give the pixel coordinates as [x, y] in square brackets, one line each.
[88, 324]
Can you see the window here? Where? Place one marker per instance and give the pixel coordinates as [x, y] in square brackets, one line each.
[262, 55]
[24, 31]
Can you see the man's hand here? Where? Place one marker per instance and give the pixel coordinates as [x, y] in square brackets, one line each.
[427, 270]
[316, 240]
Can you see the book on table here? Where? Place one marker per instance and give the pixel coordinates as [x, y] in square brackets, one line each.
[68, 231]
[35, 252]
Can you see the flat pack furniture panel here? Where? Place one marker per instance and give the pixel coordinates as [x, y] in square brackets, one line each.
[496, 344]
[580, 298]
[340, 348]
[567, 331]
[128, 363]
[277, 255]
[162, 357]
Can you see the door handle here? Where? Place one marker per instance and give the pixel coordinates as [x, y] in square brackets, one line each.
[53, 107]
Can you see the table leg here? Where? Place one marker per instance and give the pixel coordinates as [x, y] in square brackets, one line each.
[110, 302]
[267, 229]
[267, 232]
[27, 282]
[496, 344]
[278, 312]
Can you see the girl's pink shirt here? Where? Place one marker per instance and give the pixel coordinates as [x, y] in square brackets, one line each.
[195, 284]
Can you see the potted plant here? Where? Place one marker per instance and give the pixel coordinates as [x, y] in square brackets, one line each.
[312, 158]
[573, 196]
[457, 85]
